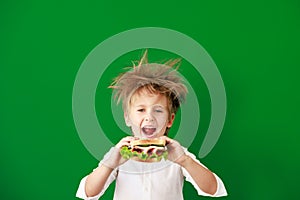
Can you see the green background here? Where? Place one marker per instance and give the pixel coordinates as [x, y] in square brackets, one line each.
[255, 45]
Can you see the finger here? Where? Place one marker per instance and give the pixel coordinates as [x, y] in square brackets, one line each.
[164, 138]
[128, 138]
[168, 140]
[123, 142]
[133, 138]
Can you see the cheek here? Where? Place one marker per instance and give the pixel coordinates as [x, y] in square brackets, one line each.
[135, 119]
[162, 120]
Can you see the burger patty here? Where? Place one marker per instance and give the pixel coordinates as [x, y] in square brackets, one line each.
[150, 150]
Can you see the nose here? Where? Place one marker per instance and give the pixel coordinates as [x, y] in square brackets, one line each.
[149, 118]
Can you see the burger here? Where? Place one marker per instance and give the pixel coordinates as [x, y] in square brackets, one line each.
[145, 150]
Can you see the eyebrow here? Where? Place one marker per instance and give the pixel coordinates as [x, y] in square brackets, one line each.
[156, 105]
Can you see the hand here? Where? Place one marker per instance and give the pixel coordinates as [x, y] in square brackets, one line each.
[175, 151]
[114, 158]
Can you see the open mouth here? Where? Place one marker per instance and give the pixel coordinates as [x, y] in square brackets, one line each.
[148, 130]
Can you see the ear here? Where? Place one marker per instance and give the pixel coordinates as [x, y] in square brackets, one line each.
[170, 123]
[127, 120]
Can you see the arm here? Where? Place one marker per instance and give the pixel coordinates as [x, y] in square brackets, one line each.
[203, 177]
[81, 191]
[205, 182]
[96, 180]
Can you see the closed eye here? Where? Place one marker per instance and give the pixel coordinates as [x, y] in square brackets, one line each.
[158, 109]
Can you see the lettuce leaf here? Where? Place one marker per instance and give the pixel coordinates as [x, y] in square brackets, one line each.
[126, 153]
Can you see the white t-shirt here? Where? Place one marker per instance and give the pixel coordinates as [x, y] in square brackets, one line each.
[148, 181]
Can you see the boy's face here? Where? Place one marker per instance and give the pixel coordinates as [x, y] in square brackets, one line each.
[148, 115]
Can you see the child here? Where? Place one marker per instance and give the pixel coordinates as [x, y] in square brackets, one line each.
[151, 95]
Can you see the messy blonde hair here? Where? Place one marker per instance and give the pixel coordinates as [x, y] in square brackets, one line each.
[154, 78]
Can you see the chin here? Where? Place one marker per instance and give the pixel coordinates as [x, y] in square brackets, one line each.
[152, 136]
[149, 136]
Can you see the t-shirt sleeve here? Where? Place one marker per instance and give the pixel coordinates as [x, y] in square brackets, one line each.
[221, 190]
[81, 189]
